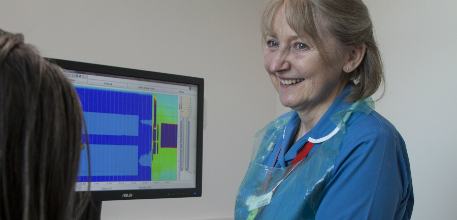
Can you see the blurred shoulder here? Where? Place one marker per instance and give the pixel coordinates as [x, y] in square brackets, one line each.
[372, 131]
[372, 122]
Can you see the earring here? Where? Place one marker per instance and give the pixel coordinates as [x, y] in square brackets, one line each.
[346, 69]
[356, 81]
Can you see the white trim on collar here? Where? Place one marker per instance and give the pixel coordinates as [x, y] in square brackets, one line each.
[320, 140]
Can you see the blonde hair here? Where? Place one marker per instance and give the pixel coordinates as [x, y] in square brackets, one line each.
[348, 21]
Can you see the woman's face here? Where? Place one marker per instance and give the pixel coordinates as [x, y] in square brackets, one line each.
[302, 78]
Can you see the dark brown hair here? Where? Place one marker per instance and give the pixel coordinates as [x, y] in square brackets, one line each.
[41, 123]
[348, 21]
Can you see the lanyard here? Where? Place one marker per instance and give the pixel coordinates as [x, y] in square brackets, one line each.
[302, 154]
[255, 214]
[298, 158]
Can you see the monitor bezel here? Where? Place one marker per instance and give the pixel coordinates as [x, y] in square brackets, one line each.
[148, 75]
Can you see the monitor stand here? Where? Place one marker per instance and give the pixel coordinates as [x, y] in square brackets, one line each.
[93, 211]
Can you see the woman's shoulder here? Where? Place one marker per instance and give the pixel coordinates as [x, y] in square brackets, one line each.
[372, 154]
[372, 124]
[372, 133]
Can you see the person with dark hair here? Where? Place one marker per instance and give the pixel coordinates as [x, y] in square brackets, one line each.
[41, 123]
[332, 156]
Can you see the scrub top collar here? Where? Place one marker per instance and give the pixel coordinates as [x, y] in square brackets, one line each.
[323, 130]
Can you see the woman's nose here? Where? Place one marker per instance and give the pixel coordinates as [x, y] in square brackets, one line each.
[279, 62]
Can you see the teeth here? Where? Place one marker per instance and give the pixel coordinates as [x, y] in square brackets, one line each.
[290, 81]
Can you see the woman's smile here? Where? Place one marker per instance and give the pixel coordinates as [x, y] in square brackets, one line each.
[286, 82]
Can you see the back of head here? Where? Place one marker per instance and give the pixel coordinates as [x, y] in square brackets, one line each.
[40, 134]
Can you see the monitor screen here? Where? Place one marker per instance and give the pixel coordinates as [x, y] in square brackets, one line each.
[144, 130]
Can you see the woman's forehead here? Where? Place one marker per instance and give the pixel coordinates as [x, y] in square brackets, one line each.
[279, 23]
[280, 26]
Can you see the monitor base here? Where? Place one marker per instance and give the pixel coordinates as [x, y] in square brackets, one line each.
[93, 211]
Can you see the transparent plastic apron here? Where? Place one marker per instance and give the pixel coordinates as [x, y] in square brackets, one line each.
[292, 192]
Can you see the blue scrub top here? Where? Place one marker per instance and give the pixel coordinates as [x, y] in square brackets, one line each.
[371, 178]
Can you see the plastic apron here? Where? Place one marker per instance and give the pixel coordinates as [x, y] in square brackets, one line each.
[292, 192]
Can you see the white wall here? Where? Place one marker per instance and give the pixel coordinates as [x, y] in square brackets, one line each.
[214, 39]
[219, 41]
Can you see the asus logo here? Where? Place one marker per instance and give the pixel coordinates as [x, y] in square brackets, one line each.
[127, 195]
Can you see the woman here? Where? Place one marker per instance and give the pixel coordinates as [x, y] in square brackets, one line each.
[40, 135]
[332, 156]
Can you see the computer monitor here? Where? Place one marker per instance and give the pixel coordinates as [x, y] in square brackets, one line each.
[145, 132]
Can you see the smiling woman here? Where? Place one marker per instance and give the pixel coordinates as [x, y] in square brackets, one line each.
[304, 80]
[332, 156]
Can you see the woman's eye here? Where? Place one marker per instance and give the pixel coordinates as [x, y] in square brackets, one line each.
[301, 46]
[272, 43]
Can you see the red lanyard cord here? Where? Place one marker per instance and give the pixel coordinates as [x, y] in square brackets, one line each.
[295, 162]
[303, 153]
[298, 158]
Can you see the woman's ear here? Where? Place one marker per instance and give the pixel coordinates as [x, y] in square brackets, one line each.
[355, 58]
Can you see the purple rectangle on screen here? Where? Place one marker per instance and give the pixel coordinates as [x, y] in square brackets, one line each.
[169, 137]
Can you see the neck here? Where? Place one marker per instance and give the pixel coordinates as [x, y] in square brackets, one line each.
[311, 114]
[308, 121]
